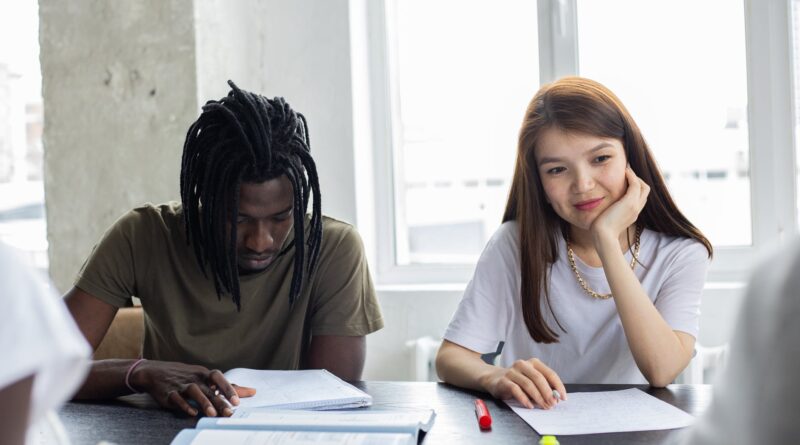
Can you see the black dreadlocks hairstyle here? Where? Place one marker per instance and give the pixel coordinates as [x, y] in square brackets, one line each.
[245, 137]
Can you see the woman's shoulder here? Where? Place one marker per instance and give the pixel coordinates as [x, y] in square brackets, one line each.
[502, 247]
[681, 247]
[505, 237]
[507, 230]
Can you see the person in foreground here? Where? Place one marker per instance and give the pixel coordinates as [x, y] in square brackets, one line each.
[236, 274]
[45, 357]
[594, 276]
[756, 398]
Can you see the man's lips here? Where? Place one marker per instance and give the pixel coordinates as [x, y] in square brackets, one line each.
[257, 260]
[589, 204]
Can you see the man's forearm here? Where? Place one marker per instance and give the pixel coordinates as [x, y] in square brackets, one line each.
[342, 355]
[106, 380]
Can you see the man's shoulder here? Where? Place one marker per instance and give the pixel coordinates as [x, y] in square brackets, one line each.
[339, 239]
[147, 224]
[335, 229]
[166, 211]
[168, 215]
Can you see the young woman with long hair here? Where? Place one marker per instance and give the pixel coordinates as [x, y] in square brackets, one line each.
[594, 276]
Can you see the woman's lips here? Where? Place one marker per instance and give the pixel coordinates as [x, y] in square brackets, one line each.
[588, 205]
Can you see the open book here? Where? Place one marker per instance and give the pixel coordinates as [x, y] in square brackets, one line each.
[263, 425]
[305, 389]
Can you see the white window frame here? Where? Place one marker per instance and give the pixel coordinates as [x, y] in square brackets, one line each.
[770, 121]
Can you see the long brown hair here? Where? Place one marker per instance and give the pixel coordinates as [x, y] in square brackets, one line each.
[580, 105]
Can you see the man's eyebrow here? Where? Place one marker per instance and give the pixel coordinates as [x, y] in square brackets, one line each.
[286, 210]
[599, 146]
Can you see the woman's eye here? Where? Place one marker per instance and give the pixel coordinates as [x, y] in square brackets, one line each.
[602, 158]
[555, 170]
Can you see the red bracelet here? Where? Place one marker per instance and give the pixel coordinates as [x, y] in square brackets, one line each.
[128, 375]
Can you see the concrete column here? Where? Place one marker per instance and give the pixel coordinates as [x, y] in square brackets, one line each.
[120, 89]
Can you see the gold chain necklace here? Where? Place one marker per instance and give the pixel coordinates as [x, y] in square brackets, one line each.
[582, 282]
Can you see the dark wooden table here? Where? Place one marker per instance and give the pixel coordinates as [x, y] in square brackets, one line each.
[138, 421]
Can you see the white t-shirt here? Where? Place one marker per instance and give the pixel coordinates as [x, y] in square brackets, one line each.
[757, 399]
[594, 348]
[38, 337]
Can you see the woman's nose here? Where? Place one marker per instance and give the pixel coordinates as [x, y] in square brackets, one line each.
[582, 182]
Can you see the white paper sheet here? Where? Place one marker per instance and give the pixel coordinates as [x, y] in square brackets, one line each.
[604, 412]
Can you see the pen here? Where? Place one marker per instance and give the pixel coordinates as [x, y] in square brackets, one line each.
[482, 412]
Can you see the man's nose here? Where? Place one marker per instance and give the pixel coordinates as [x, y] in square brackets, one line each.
[260, 238]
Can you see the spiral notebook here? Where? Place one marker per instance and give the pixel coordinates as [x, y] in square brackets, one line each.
[306, 389]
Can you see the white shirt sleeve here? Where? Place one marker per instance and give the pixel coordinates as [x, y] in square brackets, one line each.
[486, 310]
[678, 300]
[38, 337]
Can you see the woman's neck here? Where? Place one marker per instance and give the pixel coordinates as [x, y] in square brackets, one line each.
[582, 243]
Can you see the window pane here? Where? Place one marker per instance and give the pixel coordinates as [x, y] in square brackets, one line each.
[462, 74]
[680, 68]
[22, 222]
[796, 58]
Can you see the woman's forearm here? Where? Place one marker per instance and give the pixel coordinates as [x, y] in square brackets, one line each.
[462, 367]
[660, 353]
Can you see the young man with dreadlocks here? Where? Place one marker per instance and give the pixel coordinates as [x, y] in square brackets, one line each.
[301, 292]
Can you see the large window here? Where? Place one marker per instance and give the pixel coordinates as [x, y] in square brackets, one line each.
[795, 26]
[462, 74]
[687, 91]
[706, 81]
[22, 223]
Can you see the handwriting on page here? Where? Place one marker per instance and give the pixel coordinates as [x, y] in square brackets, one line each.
[604, 412]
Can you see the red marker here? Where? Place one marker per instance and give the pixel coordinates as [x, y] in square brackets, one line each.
[482, 412]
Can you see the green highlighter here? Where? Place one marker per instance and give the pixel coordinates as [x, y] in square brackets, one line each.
[548, 440]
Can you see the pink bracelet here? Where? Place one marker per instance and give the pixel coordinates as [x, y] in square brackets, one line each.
[128, 375]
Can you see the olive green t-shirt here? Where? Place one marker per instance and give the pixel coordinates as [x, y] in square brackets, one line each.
[145, 254]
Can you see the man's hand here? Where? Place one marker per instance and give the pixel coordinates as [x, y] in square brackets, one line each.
[176, 385]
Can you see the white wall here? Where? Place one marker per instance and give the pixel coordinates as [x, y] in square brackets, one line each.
[297, 49]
